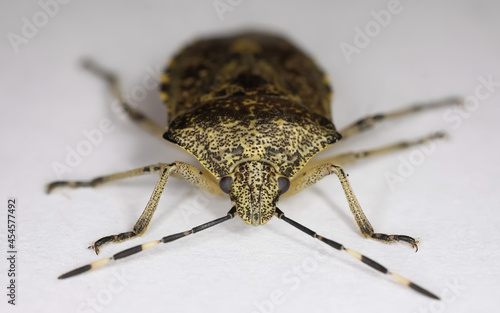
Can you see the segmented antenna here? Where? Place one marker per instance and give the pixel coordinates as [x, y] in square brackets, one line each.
[130, 251]
[147, 245]
[373, 264]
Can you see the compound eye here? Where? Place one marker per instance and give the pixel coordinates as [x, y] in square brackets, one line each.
[283, 184]
[225, 183]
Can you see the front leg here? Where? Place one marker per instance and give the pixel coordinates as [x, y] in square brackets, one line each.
[145, 219]
[310, 177]
[200, 178]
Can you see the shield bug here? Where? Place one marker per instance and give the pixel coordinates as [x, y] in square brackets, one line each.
[253, 109]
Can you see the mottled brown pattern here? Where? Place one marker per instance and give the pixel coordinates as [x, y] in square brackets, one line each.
[250, 97]
[255, 192]
[225, 132]
[248, 63]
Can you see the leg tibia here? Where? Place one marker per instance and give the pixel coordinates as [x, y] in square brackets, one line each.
[200, 178]
[315, 174]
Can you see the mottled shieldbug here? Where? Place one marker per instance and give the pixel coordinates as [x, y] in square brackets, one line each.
[253, 109]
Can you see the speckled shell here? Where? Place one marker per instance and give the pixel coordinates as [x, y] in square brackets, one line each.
[250, 96]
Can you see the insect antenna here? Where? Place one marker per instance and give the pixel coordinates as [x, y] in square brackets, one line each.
[147, 245]
[400, 279]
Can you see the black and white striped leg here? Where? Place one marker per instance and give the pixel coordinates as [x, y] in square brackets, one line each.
[402, 280]
[147, 245]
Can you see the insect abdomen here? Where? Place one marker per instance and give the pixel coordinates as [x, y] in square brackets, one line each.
[251, 64]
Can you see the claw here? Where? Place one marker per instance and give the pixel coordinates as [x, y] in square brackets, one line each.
[396, 238]
[53, 185]
[95, 248]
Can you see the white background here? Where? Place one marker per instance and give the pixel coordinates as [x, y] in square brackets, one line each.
[430, 50]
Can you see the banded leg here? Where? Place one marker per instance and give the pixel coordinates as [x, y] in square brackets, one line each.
[351, 157]
[136, 116]
[370, 121]
[200, 178]
[96, 182]
[373, 264]
[147, 245]
[315, 174]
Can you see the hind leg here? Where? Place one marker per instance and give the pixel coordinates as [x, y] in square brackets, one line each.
[135, 115]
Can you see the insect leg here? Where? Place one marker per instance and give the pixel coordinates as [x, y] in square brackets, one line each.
[150, 169]
[187, 171]
[373, 264]
[370, 121]
[350, 157]
[200, 178]
[203, 179]
[315, 174]
[147, 245]
[136, 116]
[145, 219]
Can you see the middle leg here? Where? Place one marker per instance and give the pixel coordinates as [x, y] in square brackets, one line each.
[369, 122]
[351, 157]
